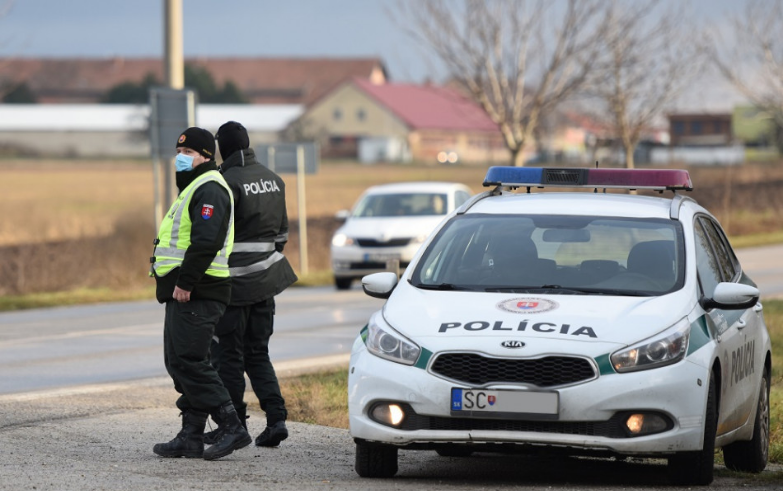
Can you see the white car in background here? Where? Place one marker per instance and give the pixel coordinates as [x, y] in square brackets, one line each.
[603, 324]
[388, 223]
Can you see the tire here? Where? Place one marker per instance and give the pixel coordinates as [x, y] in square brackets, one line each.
[343, 283]
[751, 456]
[375, 460]
[455, 451]
[696, 468]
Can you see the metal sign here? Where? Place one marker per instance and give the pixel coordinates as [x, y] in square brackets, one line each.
[171, 112]
[281, 158]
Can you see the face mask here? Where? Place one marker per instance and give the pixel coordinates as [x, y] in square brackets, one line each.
[183, 163]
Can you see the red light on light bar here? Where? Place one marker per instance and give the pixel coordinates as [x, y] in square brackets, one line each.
[640, 179]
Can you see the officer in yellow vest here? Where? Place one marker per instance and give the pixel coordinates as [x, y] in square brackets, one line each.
[190, 266]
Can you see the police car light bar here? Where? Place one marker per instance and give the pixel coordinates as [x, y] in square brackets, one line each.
[656, 179]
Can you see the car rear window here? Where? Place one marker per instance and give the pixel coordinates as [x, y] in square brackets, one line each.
[559, 254]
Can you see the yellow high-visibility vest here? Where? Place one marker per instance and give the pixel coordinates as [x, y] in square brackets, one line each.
[174, 235]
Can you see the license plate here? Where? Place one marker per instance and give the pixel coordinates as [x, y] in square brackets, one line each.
[484, 403]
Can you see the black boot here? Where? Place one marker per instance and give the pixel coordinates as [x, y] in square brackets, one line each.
[233, 435]
[272, 435]
[211, 437]
[189, 442]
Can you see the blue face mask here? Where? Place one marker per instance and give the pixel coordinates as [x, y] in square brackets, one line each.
[183, 163]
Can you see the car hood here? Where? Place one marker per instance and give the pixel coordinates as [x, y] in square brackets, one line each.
[480, 321]
[385, 228]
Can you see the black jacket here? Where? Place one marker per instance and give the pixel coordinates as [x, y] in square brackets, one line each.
[206, 239]
[260, 223]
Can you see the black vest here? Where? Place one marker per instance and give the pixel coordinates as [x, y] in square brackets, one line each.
[258, 268]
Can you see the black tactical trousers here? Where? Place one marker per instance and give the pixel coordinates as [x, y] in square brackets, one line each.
[242, 346]
[187, 334]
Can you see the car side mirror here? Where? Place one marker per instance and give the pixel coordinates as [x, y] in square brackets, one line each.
[379, 285]
[731, 296]
[342, 215]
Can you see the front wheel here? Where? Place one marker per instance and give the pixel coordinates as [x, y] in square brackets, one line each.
[375, 460]
[696, 468]
[751, 456]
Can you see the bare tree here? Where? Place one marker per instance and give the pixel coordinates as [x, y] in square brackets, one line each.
[648, 59]
[507, 57]
[752, 59]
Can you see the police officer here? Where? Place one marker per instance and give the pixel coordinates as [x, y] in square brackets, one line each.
[190, 266]
[259, 271]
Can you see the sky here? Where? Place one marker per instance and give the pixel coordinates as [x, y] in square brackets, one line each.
[273, 28]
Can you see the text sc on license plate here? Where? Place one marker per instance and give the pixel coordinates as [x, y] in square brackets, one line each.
[514, 404]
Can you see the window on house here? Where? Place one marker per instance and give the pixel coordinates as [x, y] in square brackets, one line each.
[361, 115]
[717, 127]
[678, 127]
[337, 114]
[696, 127]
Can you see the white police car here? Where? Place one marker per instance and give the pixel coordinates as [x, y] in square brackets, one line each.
[586, 322]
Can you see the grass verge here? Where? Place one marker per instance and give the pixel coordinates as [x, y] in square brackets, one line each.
[754, 240]
[81, 296]
[319, 398]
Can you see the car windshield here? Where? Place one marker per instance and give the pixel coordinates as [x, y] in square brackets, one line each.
[554, 254]
[401, 204]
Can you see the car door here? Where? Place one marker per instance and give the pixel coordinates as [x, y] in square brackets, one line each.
[735, 330]
[746, 361]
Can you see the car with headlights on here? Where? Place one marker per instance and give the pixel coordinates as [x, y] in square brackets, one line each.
[388, 223]
[586, 323]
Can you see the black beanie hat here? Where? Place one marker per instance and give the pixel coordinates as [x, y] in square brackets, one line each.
[199, 140]
[231, 137]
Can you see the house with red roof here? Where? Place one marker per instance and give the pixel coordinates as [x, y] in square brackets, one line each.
[400, 122]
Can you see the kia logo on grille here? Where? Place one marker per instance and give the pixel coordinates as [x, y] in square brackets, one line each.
[512, 344]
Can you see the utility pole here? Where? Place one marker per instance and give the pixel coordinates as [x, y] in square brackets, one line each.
[175, 75]
[175, 66]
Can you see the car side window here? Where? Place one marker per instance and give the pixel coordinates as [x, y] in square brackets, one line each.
[706, 263]
[722, 250]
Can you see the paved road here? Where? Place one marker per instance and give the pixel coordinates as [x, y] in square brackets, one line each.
[765, 266]
[50, 348]
[61, 347]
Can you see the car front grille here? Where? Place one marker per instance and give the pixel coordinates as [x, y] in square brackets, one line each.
[478, 370]
[388, 243]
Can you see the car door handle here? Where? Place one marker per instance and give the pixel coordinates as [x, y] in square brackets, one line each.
[758, 307]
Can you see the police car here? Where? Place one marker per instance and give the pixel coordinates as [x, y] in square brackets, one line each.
[605, 324]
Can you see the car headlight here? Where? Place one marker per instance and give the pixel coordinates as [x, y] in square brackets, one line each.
[341, 240]
[386, 343]
[663, 349]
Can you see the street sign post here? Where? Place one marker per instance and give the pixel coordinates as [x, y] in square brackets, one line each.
[171, 112]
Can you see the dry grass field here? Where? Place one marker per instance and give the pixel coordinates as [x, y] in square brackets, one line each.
[89, 224]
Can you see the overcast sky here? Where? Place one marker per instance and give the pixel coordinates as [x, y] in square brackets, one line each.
[337, 28]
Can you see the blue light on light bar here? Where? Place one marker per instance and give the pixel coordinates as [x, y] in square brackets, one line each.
[656, 179]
